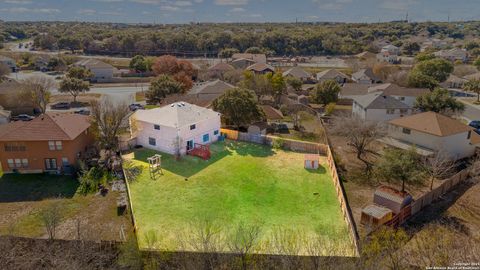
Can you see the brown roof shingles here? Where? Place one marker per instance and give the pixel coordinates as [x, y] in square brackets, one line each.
[432, 123]
[49, 126]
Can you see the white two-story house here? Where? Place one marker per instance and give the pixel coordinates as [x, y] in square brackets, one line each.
[406, 95]
[175, 128]
[431, 133]
[379, 107]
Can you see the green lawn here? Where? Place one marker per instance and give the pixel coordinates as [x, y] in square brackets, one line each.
[245, 184]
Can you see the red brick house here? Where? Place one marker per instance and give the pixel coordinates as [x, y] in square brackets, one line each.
[52, 142]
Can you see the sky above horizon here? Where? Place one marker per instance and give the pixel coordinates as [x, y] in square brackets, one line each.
[184, 11]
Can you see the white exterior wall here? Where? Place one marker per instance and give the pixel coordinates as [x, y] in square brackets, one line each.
[166, 137]
[457, 146]
[410, 101]
[377, 115]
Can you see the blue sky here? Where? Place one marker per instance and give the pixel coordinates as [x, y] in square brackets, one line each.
[184, 11]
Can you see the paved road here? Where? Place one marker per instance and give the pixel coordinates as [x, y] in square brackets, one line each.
[116, 94]
[472, 112]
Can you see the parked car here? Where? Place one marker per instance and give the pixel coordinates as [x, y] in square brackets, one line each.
[61, 106]
[135, 106]
[83, 112]
[23, 117]
[476, 125]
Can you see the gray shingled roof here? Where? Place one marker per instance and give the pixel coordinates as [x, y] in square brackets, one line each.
[213, 87]
[367, 72]
[379, 101]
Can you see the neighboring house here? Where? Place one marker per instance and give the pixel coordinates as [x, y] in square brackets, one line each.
[435, 43]
[453, 55]
[430, 133]
[209, 91]
[9, 62]
[391, 49]
[378, 107]
[220, 68]
[261, 69]
[404, 94]
[4, 116]
[365, 76]
[454, 82]
[388, 57]
[271, 113]
[52, 142]
[332, 74]
[102, 72]
[298, 73]
[242, 63]
[349, 90]
[175, 128]
[256, 58]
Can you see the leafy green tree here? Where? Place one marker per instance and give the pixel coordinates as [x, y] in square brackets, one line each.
[279, 86]
[80, 73]
[160, 87]
[254, 50]
[74, 87]
[326, 92]
[398, 165]
[410, 48]
[138, 63]
[424, 56]
[420, 80]
[228, 52]
[437, 68]
[473, 86]
[439, 101]
[238, 107]
[295, 83]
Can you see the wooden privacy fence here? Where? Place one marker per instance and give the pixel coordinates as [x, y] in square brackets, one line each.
[427, 198]
[347, 214]
[134, 223]
[307, 147]
[288, 144]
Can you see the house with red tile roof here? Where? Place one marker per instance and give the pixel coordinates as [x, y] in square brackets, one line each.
[52, 142]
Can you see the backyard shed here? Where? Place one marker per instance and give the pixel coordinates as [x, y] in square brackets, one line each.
[312, 161]
[392, 199]
[375, 215]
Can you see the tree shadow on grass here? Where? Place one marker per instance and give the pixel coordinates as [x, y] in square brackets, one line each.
[249, 149]
[187, 166]
[35, 187]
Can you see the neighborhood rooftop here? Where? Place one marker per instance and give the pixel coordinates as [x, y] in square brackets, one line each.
[432, 123]
[178, 114]
[391, 89]
[49, 126]
[379, 101]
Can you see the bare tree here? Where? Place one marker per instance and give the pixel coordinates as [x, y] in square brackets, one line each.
[37, 90]
[361, 136]
[108, 120]
[243, 242]
[51, 218]
[440, 166]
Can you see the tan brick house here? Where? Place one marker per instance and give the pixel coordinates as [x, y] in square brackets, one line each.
[52, 142]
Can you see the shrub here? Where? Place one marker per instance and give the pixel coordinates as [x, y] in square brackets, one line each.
[90, 179]
[278, 143]
[330, 108]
